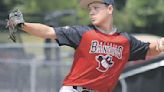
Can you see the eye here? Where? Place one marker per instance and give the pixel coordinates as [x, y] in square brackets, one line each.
[96, 7]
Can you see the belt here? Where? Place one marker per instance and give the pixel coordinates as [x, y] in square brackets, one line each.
[82, 89]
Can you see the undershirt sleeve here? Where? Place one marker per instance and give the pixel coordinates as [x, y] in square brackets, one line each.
[70, 35]
[138, 49]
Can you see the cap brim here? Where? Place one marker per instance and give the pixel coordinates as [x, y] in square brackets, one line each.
[84, 3]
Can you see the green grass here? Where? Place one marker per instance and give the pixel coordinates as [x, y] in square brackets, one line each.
[26, 38]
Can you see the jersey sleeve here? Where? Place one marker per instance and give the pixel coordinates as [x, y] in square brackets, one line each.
[138, 49]
[70, 35]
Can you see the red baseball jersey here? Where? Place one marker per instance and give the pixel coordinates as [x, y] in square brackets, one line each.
[99, 58]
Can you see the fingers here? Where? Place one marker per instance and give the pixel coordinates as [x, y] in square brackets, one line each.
[11, 29]
[13, 37]
[160, 43]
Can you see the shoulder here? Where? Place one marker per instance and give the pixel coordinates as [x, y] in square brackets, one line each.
[78, 27]
[75, 28]
[82, 28]
[127, 35]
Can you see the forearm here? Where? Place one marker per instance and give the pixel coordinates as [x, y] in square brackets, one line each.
[39, 30]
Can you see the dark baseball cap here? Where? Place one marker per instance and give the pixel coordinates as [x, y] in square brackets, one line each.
[84, 3]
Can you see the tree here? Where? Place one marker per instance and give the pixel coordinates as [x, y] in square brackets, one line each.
[7, 5]
[42, 6]
[142, 16]
[130, 15]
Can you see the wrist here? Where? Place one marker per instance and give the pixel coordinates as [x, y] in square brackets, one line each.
[20, 26]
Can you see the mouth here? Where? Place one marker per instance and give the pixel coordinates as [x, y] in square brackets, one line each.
[93, 19]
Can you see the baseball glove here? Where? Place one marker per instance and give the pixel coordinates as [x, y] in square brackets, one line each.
[14, 23]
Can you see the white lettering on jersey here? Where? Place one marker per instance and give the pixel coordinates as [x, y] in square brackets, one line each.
[106, 48]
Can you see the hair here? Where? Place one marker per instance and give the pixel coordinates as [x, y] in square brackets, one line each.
[106, 4]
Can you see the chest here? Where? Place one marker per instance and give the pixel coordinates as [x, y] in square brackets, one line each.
[96, 42]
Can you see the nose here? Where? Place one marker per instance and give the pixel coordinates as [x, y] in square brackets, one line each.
[91, 12]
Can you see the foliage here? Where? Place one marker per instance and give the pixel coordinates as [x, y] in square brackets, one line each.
[129, 15]
[145, 15]
[48, 5]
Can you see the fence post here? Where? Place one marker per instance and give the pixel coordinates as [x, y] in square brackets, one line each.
[33, 76]
[123, 85]
[58, 67]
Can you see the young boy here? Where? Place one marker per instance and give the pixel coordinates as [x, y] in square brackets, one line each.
[101, 50]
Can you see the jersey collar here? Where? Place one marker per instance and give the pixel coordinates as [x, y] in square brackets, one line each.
[114, 30]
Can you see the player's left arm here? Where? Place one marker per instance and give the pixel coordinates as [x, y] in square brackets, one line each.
[155, 48]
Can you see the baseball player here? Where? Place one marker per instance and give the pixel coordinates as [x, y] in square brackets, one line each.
[101, 49]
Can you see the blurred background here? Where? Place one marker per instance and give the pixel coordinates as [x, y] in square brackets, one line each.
[39, 65]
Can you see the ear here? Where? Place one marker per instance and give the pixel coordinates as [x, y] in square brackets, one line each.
[110, 9]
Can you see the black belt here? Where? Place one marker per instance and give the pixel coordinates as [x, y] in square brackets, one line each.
[84, 89]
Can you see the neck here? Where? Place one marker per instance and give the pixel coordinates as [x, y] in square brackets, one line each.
[107, 25]
[106, 28]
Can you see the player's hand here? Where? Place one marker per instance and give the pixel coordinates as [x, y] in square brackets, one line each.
[14, 22]
[160, 45]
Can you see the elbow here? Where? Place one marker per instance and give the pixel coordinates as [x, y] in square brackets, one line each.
[50, 34]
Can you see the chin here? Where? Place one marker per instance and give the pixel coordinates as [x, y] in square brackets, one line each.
[95, 23]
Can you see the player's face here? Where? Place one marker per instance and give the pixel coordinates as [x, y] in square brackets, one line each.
[100, 13]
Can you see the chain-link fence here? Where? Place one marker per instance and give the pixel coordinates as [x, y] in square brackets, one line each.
[25, 68]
